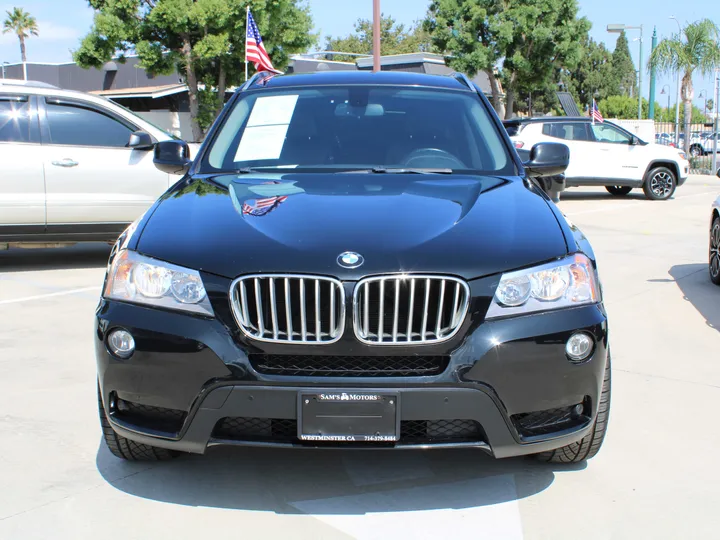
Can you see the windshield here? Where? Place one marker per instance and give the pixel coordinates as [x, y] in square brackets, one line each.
[359, 127]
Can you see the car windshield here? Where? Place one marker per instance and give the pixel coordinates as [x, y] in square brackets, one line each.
[378, 128]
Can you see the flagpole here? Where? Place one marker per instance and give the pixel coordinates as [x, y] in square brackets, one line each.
[247, 17]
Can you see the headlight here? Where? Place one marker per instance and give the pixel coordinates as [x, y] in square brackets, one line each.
[142, 280]
[683, 155]
[566, 283]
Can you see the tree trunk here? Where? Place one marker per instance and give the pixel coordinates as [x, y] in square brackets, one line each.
[22, 49]
[496, 89]
[192, 89]
[687, 94]
[221, 89]
[510, 97]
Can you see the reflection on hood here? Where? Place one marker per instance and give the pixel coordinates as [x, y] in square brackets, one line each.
[274, 193]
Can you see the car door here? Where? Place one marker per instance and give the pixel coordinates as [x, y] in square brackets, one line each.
[623, 159]
[91, 176]
[584, 165]
[22, 184]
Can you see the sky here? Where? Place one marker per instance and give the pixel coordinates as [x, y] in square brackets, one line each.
[62, 24]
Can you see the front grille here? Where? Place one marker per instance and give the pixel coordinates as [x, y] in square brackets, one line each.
[547, 421]
[402, 309]
[289, 308]
[348, 366]
[148, 416]
[282, 430]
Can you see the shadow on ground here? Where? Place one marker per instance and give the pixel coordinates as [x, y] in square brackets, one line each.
[295, 481]
[695, 284]
[91, 255]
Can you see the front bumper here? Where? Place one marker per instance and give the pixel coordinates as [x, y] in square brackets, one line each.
[498, 373]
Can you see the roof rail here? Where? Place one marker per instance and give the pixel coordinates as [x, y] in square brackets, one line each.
[23, 82]
[464, 79]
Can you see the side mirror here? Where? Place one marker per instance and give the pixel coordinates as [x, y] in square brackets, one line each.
[172, 157]
[140, 140]
[547, 159]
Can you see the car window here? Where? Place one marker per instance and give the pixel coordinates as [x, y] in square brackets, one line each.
[357, 127]
[79, 126]
[16, 123]
[610, 134]
[569, 131]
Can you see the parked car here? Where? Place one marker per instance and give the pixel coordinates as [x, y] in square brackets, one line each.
[714, 262]
[703, 144]
[354, 259]
[76, 167]
[604, 154]
[665, 139]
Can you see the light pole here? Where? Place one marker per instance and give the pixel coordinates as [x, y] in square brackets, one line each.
[376, 35]
[679, 85]
[668, 95]
[700, 95]
[617, 29]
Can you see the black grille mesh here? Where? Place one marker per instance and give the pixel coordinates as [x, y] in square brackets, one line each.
[544, 422]
[149, 416]
[348, 366]
[281, 430]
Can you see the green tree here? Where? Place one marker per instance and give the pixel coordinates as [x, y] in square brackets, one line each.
[394, 39]
[710, 104]
[623, 67]
[532, 39]
[203, 39]
[698, 52]
[623, 107]
[595, 75]
[23, 25]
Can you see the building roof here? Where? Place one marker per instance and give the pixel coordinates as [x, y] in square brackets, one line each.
[396, 78]
[153, 92]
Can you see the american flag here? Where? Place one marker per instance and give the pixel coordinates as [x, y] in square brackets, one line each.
[261, 207]
[254, 49]
[595, 113]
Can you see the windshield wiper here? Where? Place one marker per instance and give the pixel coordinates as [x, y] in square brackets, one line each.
[400, 170]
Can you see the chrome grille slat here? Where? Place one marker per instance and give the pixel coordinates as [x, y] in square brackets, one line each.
[313, 307]
[424, 309]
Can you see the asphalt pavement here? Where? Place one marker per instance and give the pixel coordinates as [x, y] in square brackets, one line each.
[656, 477]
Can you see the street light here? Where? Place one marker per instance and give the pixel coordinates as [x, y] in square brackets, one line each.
[619, 28]
[700, 95]
[668, 95]
[679, 84]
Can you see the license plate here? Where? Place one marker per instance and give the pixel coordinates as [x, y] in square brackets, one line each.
[348, 417]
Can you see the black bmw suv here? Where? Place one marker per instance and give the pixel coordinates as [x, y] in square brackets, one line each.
[354, 260]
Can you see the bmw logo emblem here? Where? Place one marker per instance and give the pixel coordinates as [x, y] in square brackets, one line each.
[350, 259]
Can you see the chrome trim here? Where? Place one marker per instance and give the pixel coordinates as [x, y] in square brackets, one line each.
[404, 336]
[255, 329]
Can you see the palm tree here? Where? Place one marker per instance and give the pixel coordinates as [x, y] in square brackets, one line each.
[699, 52]
[23, 24]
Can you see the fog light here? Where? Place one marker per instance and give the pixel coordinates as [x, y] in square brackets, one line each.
[121, 343]
[579, 347]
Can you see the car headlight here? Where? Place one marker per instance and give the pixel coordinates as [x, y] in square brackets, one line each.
[565, 283]
[683, 155]
[141, 280]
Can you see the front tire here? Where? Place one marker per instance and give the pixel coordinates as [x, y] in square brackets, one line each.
[714, 261]
[589, 445]
[126, 449]
[618, 190]
[660, 184]
[696, 150]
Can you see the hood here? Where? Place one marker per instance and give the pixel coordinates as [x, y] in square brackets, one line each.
[667, 152]
[462, 225]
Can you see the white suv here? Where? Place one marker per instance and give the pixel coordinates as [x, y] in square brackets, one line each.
[76, 167]
[604, 154]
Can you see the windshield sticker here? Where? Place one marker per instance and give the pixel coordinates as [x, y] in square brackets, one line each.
[264, 135]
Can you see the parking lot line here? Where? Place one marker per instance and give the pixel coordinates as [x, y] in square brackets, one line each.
[48, 295]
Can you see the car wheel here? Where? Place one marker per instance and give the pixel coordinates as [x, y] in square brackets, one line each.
[126, 449]
[589, 445]
[696, 151]
[618, 190]
[659, 184]
[714, 263]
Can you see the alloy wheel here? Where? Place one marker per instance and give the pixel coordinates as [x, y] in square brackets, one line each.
[715, 250]
[661, 184]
